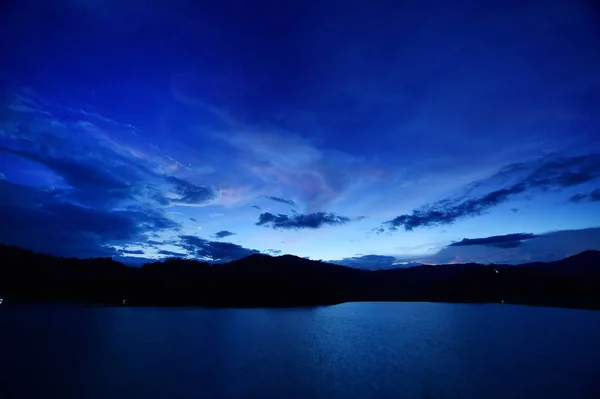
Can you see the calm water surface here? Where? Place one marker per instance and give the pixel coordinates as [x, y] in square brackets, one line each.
[356, 350]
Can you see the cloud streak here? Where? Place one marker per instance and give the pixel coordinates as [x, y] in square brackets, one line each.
[551, 174]
[131, 251]
[282, 200]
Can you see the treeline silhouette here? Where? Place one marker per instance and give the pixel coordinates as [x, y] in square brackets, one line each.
[262, 280]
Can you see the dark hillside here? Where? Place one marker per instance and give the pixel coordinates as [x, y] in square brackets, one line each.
[262, 280]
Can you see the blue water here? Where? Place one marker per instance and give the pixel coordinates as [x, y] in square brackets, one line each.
[355, 350]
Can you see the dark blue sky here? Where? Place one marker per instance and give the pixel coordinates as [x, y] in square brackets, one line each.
[386, 131]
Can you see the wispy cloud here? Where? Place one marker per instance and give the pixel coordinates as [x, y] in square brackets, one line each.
[315, 177]
[34, 218]
[94, 169]
[555, 173]
[301, 221]
[188, 194]
[92, 192]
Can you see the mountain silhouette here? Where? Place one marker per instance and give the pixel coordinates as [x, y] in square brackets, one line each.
[263, 280]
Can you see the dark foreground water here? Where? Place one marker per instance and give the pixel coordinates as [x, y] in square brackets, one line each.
[356, 350]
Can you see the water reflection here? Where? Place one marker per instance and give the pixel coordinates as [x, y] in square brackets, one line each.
[356, 350]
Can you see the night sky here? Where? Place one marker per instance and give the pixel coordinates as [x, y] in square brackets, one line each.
[373, 132]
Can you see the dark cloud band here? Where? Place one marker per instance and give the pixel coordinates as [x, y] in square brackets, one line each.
[223, 234]
[301, 221]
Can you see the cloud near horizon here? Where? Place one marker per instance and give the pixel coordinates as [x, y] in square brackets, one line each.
[172, 253]
[215, 251]
[503, 241]
[546, 247]
[368, 262]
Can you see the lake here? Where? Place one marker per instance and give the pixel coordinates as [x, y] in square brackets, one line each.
[353, 350]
